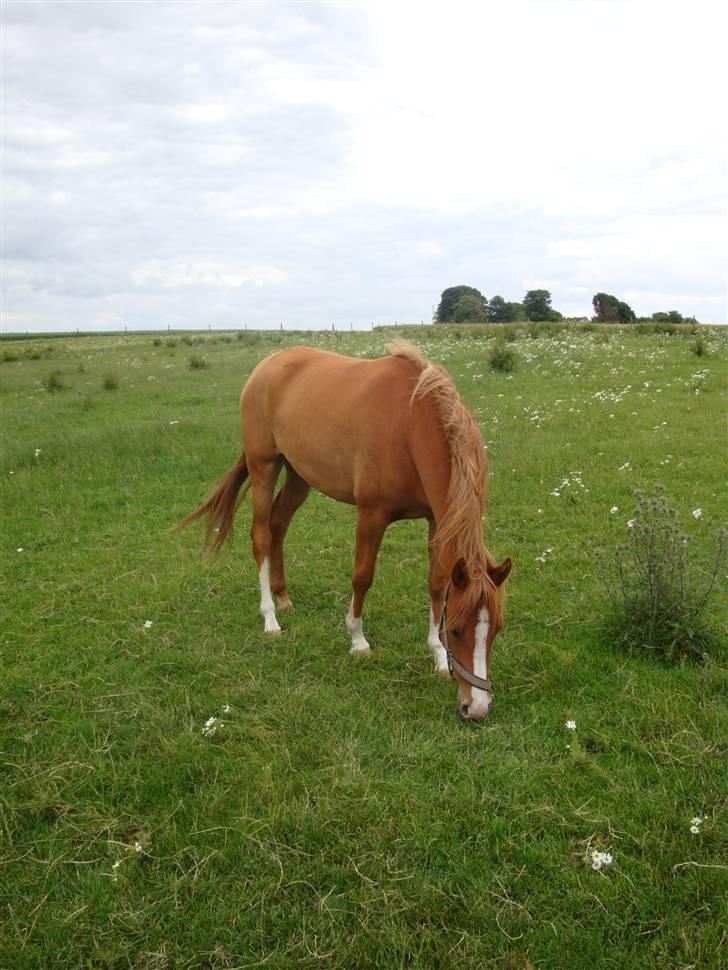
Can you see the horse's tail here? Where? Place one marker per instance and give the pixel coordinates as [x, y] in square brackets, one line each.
[221, 506]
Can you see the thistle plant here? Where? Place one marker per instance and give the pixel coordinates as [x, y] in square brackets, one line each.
[657, 603]
[501, 357]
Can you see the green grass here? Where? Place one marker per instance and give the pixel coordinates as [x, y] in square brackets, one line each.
[343, 816]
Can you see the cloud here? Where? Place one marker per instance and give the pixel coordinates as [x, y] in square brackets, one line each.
[224, 163]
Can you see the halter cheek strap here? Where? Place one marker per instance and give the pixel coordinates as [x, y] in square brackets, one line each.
[452, 662]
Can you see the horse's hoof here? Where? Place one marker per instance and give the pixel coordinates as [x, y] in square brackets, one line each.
[284, 602]
[442, 672]
[360, 651]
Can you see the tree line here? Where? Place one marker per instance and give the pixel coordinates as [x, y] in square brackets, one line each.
[466, 304]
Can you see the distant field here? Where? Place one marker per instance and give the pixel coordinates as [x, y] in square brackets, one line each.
[343, 816]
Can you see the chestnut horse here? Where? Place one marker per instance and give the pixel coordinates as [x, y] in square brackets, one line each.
[392, 437]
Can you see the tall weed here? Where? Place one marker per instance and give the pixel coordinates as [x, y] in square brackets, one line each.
[656, 602]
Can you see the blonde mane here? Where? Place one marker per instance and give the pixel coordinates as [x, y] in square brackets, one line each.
[460, 532]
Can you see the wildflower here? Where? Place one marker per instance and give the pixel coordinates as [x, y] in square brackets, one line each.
[697, 513]
[600, 859]
[632, 523]
[20, 549]
[211, 726]
[625, 467]
[571, 725]
[36, 452]
[147, 624]
[695, 824]
[614, 509]
[137, 848]
[226, 709]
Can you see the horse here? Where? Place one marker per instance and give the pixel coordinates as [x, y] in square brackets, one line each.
[392, 437]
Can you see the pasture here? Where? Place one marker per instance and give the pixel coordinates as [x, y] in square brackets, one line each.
[338, 813]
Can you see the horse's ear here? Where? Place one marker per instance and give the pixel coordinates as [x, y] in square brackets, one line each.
[499, 574]
[460, 578]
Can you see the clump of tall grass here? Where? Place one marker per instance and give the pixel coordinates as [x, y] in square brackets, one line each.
[110, 381]
[54, 382]
[502, 357]
[197, 362]
[699, 347]
[9, 356]
[657, 604]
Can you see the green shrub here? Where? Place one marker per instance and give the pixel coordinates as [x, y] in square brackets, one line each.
[699, 347]
[54, 382]
[171, 343]
[197, 362]
[110, 381]
[655, 601]
[186, 339]
[501, 357]
[9, 355]
[157, 341]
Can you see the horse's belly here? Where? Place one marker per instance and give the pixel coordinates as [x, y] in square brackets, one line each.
[325, 478]
[322, 468]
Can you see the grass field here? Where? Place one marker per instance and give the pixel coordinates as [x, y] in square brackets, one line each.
[342, 816]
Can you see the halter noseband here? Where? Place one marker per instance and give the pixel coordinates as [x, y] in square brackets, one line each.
[452, 662]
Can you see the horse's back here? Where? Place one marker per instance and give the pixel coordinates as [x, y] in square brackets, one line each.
[341, 422]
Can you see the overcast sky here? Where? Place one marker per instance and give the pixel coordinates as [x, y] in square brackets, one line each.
[187, 164]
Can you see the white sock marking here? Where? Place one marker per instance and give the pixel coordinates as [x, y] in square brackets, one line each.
[354, 626]
[267, 606]
[435, 645]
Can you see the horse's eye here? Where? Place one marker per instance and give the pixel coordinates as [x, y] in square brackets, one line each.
[458, 634]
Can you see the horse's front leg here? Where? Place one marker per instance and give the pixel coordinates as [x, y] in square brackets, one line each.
[436, 586]
[370, 527]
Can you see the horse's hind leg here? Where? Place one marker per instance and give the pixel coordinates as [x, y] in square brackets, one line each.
[263, 476]
[290, 498]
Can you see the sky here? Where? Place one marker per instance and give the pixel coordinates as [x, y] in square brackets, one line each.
[195, 165]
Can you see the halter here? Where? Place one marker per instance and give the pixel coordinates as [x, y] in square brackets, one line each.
[452, 662]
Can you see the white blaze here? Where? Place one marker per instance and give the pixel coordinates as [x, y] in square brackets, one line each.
[480, 698]
[267, 607]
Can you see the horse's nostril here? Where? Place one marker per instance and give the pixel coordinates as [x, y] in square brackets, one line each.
[464, 708]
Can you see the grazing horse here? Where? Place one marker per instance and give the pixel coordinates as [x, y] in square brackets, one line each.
[392, 437]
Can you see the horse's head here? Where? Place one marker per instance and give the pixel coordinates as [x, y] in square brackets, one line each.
[472, 616]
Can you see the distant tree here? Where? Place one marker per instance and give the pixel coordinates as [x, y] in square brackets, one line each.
[498, 310]
[537, 304]
[517, 312]
[672, 316]
[609, 309]
[445, 312]
[469, 309]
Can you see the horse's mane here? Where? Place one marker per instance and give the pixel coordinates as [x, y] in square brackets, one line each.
[460, 531]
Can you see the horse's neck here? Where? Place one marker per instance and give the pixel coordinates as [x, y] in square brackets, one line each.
[435, 469]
